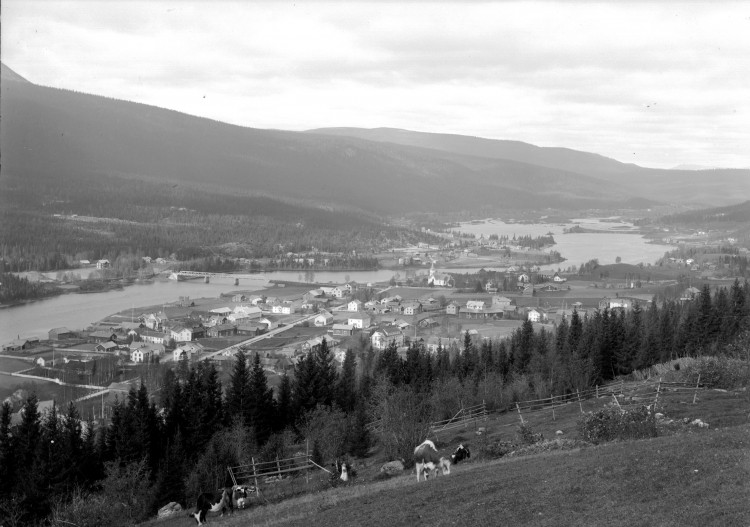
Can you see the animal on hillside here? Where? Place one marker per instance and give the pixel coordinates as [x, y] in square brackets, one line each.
[241, 496]
[207, 502]
[344, 472]
[427, 460]
[461, 453]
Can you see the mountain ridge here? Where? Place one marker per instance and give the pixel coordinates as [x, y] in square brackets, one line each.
[55, 133]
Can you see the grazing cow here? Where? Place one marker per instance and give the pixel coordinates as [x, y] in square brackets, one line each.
[240, 496]
[460, 454]
[207, 502]
[427, 460]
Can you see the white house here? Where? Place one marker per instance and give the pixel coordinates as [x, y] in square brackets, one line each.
[282, 309]
[501, 301]
[475, 305]
[536, 315]
[102, 264]
[359, 321]
[382, 337]
[323, 318]
[355, 305]
[222, 311]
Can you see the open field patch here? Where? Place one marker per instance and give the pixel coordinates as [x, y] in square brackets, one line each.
[12, 365]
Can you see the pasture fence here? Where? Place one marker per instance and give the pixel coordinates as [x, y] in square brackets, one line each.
[625, 396]
[265, 472]
[461, 419]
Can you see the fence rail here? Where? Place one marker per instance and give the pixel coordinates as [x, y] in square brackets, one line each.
[644, 392]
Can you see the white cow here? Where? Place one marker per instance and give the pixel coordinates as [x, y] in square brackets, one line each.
[427, 460]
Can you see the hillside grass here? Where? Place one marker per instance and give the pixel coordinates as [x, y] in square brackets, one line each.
[699, 478]
[686, 476]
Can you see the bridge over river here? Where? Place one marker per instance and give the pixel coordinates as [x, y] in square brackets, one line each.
[192, 275]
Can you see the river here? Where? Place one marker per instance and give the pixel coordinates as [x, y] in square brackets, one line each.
[77, 311]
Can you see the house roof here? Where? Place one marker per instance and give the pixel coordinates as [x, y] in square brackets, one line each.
[346, 327]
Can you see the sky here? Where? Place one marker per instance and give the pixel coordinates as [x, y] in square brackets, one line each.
[654, 83]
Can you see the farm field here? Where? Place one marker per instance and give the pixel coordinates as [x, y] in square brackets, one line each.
[12, 365]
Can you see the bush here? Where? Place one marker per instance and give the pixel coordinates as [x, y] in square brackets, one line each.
[526, 435]
[719, 372]
[498, 449]
[612, 423]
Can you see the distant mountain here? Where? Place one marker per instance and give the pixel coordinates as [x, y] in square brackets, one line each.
[60, 135]
[7, 74]
[693, 167]
[677, 185]
[551, 157]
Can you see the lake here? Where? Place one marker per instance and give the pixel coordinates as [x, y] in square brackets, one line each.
[77, 311]
[618, 239]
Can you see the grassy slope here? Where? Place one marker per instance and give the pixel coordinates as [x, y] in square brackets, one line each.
[700, 479]
[648, 482]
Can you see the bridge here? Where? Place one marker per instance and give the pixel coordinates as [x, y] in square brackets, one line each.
[178, 275]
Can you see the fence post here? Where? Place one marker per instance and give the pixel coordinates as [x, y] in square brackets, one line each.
[579, 400]
[519, 412]
[597, 391]
[553, 408]
[658, 391]
[616, 401]
[307, 461]
[697, 384]
[622, 385]
[278, 465]
[255, 477]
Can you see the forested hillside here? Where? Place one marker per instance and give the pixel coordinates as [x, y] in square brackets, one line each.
[172, 446]
[48, 223]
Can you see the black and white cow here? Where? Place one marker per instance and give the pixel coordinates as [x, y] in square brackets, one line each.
[241, 496]
[460, 454]
[427, 460]
[208, 502]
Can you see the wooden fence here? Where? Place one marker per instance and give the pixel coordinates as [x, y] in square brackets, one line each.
[462, 418]
[261, 472]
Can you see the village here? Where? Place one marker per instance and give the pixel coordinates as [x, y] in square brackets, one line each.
[286, 320]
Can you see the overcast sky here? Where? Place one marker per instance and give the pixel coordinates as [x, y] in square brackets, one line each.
[653, 83]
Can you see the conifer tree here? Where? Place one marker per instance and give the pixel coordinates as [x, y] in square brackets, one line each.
[284, 405]
[346, 390]
[239, 388]
[261, 406]
[7, 457]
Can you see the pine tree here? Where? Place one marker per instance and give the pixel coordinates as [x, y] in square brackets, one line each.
[346, 390]
[284, 405]
[304, 386]
[7, 457]
[239, 388]
[261, 408]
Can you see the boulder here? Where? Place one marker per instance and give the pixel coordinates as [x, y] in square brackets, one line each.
[169, 509]
[393, 468]
[659, 416]
[559, 432]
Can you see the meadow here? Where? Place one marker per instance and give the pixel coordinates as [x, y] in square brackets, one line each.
[687, 476]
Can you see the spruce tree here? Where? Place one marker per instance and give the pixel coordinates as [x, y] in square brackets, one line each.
[261, 407]
[284, 405]
[7, 457]
[346, 395]
[327, 374]
[239, 388]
